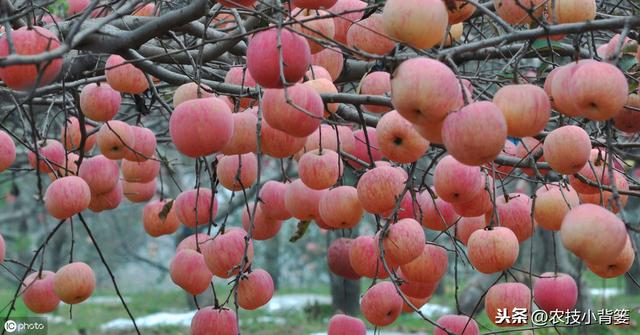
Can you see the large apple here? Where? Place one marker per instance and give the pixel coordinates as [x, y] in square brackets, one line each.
[418, 23]
[429, 267]
[514, 212]
[455, 182]
[340, 207]
[553, 202]
[398, 140]
[272, 200]
[255, 289]
[189, 271]
[493, 249]
[557, 291]
[125, 77]
[341, 324]
[159, 218]
[404, 241]
[99, 102]
[213, 320]
[196, 207]
[507, 297]
[67, 196]
[74, 282]
[115, 138]
[224, 253]
[338, 259]
[379, 188]
[381, 304]
[456, 324]
[37, 292]
[567, 149]
[526, 109]
[264, 227]
[52, 156]
[617, 266]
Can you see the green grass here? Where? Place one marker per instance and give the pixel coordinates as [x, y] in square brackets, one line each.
[88, 317]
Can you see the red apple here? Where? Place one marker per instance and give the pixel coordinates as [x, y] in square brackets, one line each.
[376, 83]
[67, 196]
[567, 149]
[159, 218]
[398, 140]
[314, 25]
[193, 242]
[628, 120]
[71, 135]
[429, 267]
[492, 250]
[301, 201]
[347, 12]
[340, 207]
[100, 173]
[404, 241]
[279, 144]
[381, 304]
[526, 109]
[320, 169]
[553, 202]
[125, 77]
[617, 266]
[52, 156]
[108, 200]
[272, 200]
[330, 59]
[37, 292]
[99, 102]
[514, 212]
[415, 289]
[191, 91]
[215, 321]
[507, 297]
[244, 138]
[196, 207]
[201, 127]
[263, 57]
[7, 151]
[224, 253]
[557, 291]
[341, 324]
[140, 172]
[338, 259]
[365, 144]
[369, 36]
[30, 41]
[600, 90]
[456, 182]
[241, 77]
[115, 138]
[237, 172]
[255, 289]
[419, 23]
[189, 271]
[144, 145]
[597, 171]
[437, 214]
[318, 72]
[456, 324]
[299, 115]
[379, 187]
[593, 233]
[139, 192]
[364, 258]
[518, 13]
[570, 11]
[74, 282]
[264, 228]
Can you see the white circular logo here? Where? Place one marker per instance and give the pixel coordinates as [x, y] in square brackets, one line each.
[10, 326]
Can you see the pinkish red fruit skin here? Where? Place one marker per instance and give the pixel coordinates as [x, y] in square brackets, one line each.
[379, 187]
[555, 291]
[455, 182]
[210, 321]
[67, 196]
[381, 304]
[458, 324]
[255, 290]
[7, 151]
[189, 271]
[37, 292]
[509, 296]
[341, 324]
[493, 250]
[404, 241]
[338, 259]
[515, 214]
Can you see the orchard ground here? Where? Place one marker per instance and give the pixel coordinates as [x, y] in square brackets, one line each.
[103, 313]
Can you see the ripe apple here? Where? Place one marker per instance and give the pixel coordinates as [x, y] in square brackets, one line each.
[369, 36]
[416, 302]
[341, 324]
[255, 289]
[30, 41]
[330, 59]
[331, 138]
[314, 25]
[272, 200]
[528, 148]
[456, 324]
[193, 242]
[503, 171]
[454, 35]
[125, 77]
[318, 72]
[376, 83]
[100, 173]
[440, 91]
[600, 90]
[324, 86]
[140, 172]
[475, 134]
[201, 127]
[215, 321]
[67, 196]
[437, 214]
[557, 291]
[571, 11]
[628, 120]
[526, 108]
[560, 86]
[617, 266]
[593, 234]
[404, 241]
[459, 11]
[597, 171]
[139, 192]
[224, 253]
[507, 296]
[429, 267]
[241, 77]
[301, 201]
[244, 139]
[567, 149]
[7, 151]
[74, 282]
[189, 271]
[107, 201]
[70, 135]
[407, 209]
[418, 23]
[347, 12]
[99, 102]
[196, 207]
[264, 228]
[263, 57]
[456, 182]
[279, 144]
[467, 225]
[553, 202]
[115, 138]
[364, 258]
[237, 172]
[480, 204]
[365, 143]
[432, 132]
[518, 13]
[381, 304]
[145, 10]
[144, 145]
[340, 207]
[299, 115]
[52, 156]
[379, 188]
[191, 91]
[320, 169]
[492, 250]
[338, 259]
[159, 218]
[607, 197]
[514, 212]
[398, 140]
[415, 289]
[37, 292]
